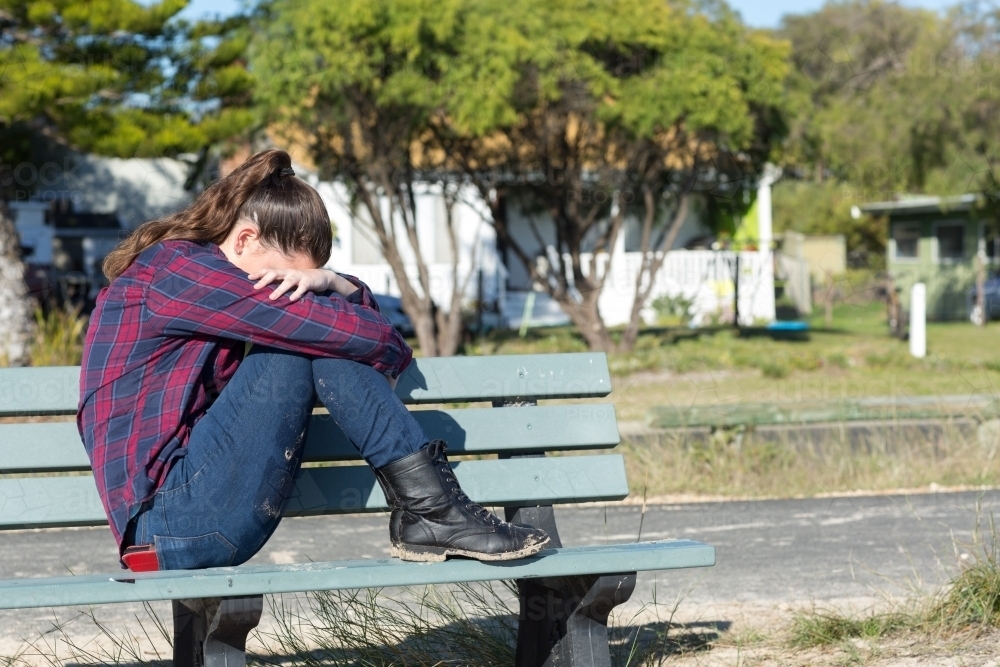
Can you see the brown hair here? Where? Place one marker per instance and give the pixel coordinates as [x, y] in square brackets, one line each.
[289, 214]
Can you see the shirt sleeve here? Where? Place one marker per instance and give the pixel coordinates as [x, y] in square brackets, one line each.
[204, 294]
[363, 296]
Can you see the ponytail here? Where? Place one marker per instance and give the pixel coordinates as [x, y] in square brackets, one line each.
[289, 214]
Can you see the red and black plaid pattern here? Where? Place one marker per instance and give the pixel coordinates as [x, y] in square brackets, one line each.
[167, 336]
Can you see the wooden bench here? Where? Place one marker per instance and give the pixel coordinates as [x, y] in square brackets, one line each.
[566, 594]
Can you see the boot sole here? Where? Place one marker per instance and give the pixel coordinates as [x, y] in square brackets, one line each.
[437, 554]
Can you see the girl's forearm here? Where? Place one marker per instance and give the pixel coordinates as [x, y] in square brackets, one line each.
[341, 285]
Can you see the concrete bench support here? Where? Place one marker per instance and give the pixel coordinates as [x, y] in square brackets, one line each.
[562, 620]
[212, 632]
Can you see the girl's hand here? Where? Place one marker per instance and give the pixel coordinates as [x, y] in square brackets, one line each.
[304, 280]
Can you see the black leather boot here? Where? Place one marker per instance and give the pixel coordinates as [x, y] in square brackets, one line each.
[432, 518]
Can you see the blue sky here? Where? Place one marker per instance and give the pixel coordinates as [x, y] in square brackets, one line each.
[758, 13]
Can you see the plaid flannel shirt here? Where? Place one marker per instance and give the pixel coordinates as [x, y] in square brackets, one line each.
[165, 339]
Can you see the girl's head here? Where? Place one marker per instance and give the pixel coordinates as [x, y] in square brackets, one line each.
[260, 214]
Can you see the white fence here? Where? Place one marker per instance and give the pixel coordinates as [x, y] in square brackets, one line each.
[703, 277]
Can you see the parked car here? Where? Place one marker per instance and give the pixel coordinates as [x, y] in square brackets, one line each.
[392, 308]
[991, 298]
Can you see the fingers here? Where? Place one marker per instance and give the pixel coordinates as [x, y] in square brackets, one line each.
[285, 285]
[289, 279]
[263, 278]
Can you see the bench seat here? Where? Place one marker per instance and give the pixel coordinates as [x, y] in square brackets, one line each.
[369, 573]
[565, 594]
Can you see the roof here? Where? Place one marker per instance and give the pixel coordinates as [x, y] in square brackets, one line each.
[922, 204]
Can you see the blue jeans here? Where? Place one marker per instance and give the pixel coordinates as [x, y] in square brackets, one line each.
[225, 496]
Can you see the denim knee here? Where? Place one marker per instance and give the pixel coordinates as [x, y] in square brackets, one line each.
[290, 377]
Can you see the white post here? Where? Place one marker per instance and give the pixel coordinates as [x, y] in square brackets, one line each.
[764, 229]
[918, 320]
[764, 292]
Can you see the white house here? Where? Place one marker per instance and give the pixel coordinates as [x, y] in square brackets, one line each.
[703, 276]
[138, 190]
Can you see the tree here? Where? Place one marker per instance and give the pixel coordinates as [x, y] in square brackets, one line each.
[15, 311]
[825, 208]
[565, 106]
[901, 99]
[594, 111]
[356, 82]
[112, 77]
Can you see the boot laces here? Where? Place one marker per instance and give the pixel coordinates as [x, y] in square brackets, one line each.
[438, 451]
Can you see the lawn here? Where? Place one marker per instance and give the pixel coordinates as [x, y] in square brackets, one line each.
[853, 358]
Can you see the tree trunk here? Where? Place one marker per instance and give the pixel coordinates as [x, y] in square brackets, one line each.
[981, 289]
[439, 333]
[584, 314]
[449, 325]
[651, 262]
[16, 323]
[588, 321]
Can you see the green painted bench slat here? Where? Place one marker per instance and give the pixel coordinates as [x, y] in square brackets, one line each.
[53, 447]
[35, 502]
[257, 579]
[55, 390]
[490, 430]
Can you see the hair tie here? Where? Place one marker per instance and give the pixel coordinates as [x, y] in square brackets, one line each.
[286, 171]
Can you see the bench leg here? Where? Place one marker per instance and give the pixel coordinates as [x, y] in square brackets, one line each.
[564, 620]
[212, 632]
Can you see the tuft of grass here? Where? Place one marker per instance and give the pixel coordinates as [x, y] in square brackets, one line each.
[464, 624]
[973, 597]
[59, 334]
[472, 625]
[970, 601]
[774, 369]
[821, 628]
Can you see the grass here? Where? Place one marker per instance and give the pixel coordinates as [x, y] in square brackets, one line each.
[461, 624]
[853, 358]
[739, 463]
[968, 606]
[58, 339]
[432, 626]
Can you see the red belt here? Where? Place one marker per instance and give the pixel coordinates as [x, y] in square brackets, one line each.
[141, 558]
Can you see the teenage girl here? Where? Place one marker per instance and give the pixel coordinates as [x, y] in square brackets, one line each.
[195, 444]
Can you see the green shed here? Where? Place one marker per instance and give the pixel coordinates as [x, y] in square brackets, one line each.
[935, 240]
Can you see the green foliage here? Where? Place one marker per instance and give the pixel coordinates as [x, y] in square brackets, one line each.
[119, 78]
[826, 628]
[482, 67]
[646, 101]
[816, 208]
[58, 337]
[973, 597]
[673, 310]
[901, 99]
[971, 600]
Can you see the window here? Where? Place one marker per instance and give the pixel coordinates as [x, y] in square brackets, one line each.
[907, 240]
[950, 242]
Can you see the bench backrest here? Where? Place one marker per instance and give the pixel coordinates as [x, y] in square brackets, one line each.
[43, 466]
